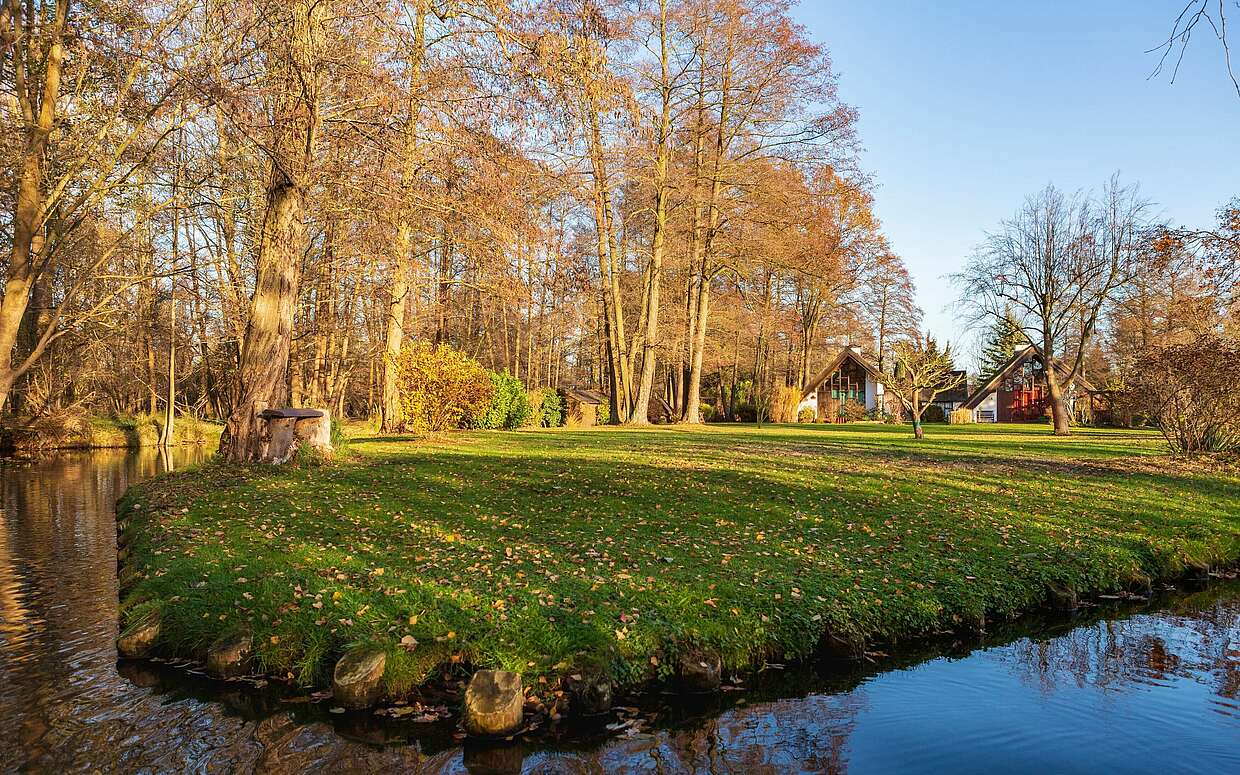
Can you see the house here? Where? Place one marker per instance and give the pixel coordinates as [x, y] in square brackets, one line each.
[951, 400]
[1018, 392]
[849, 376]
[581, 406]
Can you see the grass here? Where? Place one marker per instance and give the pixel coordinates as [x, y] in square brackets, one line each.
[74, 429]
[616, 550]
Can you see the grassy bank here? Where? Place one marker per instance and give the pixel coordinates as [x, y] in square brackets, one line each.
[558, 552]
[64, 430]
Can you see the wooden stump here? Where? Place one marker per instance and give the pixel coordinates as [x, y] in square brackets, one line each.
[285, 431]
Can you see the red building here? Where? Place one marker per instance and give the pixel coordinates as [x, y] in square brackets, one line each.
[1018, 391]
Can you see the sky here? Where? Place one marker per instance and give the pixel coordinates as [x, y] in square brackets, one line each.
[968, 107]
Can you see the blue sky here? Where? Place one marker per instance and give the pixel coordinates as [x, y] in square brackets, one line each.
[967, 107]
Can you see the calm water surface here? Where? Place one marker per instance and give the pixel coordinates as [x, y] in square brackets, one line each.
[1150, 688]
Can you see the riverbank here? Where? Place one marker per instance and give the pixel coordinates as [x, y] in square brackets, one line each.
[633, 555]
[73, 431]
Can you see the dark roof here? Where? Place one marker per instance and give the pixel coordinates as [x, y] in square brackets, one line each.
[836, 362]
[585, 395]
[1013, 363]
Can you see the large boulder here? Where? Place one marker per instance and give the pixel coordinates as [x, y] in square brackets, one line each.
[357, 681]
[494, 701]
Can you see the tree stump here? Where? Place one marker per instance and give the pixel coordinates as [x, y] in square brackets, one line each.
[284, 431]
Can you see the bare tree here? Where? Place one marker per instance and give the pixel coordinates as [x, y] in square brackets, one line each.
[1054, 265]
[923, 372]
[1195, 14]
[294, 46]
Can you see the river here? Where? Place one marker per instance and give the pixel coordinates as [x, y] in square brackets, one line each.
[1148, 687]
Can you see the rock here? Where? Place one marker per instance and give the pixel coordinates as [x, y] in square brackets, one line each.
[700, 672]
[494, 700]
[1198, 573]
[357, 680]
[836, 645]
[591, 694]
[230, 654]
[140, 635]
[1061, 597]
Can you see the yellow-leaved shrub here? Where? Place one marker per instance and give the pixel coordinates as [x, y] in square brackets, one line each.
[439, 385]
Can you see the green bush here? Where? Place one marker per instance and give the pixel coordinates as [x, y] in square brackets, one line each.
[508, 408]
[934, 413]
[603, 415]
[549, 412]
[805, 415]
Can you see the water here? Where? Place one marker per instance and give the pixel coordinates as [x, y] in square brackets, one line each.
[1131, 688]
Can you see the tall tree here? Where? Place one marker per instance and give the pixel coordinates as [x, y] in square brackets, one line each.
[293, 43]
[1054, 266]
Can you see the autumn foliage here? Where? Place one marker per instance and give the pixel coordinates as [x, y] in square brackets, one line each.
[439, 386]
[1189, 390]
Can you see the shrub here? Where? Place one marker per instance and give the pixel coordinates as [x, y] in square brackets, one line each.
[852, 411]
[805, 415]
[1189, 389]
[784, 405]
[439, 386]
[603, 415]
[891, 418]
[546, 408]
[934, 413]
[745, 412]
[508, 408]
[961, 417]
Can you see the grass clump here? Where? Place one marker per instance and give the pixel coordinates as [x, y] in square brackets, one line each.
[550, 552]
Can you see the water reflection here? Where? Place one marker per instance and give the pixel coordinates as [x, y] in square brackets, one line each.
[1133, 690]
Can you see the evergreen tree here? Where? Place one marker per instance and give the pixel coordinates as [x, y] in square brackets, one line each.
[1005, 336]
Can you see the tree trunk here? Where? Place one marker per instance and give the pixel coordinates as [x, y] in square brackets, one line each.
[23, 268]
[662, 157]
[1059, 407]
[265, 349]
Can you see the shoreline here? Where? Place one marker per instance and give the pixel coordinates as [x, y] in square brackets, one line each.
[262, 695]
[275, 600]
[103, 432]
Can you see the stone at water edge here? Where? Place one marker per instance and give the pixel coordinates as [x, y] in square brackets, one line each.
[229, 655]
[591, 694]
[357, 681]
[1061, 597]
[494, 701]
[700, 672]
[842, 646]
[138, 638]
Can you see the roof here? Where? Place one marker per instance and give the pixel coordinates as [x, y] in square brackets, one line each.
[836, 362]
[585, 395]
[1013, 363]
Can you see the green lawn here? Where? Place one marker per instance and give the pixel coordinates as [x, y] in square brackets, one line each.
[558, 551]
